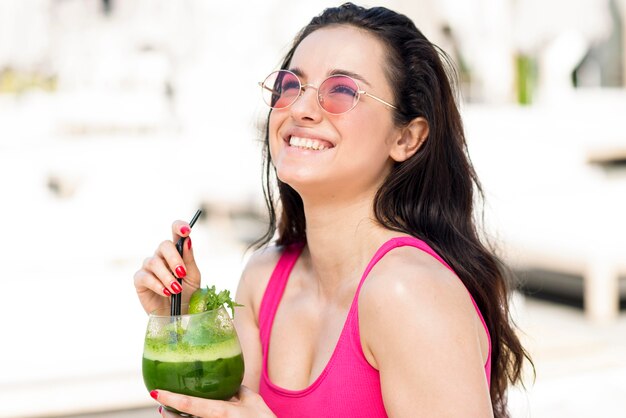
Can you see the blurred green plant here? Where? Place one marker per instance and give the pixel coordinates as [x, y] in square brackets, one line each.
[16, 82]
[526, 78]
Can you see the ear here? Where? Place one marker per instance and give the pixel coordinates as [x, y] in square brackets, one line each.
[409, 140]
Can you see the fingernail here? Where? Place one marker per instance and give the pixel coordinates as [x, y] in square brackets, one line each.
[154, 394]
[160, 409]
[180, 272]
[184, 230]
[167, 292]
[176, 287]
[189, 243]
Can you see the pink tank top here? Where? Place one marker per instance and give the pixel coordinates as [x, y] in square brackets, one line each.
[348, 386]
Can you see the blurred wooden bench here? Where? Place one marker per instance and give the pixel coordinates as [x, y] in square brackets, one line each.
[580, 233]
[555, 183]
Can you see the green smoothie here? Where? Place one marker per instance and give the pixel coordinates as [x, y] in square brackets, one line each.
[198, 355]
[214, 379]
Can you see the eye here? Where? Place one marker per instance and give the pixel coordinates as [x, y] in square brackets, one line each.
[339, 86]
[288, 86]
[343, 89]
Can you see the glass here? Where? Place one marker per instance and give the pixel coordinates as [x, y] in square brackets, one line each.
[336, 95]
[193, 354]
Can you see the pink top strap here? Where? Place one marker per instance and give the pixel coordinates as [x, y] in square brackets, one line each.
[274, 291]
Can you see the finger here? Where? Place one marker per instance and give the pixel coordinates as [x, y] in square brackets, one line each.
[180, 229]
[146, 281]
[161, 271]
[189, 261]
[174, 261]
[206, 408]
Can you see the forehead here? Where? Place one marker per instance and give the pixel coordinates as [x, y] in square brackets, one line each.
[340, 47]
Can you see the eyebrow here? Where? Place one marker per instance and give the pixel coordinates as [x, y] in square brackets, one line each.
[337, 71]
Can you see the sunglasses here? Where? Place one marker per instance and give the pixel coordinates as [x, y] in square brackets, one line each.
[336, 95]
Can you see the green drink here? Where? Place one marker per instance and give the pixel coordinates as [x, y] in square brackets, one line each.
[197, 354]
[213, 375]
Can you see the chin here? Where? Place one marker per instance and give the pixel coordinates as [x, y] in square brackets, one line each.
[302, 182]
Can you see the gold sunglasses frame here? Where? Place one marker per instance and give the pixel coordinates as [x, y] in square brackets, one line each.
[303, 86]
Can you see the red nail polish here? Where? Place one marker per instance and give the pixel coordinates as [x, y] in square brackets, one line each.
[189, 243]
[184, 230]
[167, 292]
[176, 287]
[154, 394]
[160, 409]
[180, 272]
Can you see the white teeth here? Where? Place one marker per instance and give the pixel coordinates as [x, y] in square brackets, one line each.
[306, 143]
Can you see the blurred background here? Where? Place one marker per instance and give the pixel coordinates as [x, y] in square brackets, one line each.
[116, 119]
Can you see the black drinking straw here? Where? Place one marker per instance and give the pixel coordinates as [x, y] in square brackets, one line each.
[177, 297]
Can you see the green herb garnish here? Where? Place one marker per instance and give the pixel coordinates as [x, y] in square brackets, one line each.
[208, 299]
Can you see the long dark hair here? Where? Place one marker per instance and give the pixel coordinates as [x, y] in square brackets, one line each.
[432, 194]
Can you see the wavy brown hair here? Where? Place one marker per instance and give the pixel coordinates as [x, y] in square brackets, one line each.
[432, 194]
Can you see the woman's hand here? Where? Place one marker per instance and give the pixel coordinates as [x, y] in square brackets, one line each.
[245, 404]
[156, 281]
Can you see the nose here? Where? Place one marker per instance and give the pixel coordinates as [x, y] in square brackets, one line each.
[306, 107]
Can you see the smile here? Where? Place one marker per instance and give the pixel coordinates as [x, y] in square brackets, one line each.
[308, 143]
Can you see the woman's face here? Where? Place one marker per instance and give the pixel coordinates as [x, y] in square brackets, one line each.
[357, 143]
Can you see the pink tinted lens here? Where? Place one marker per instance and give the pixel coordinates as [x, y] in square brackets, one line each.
[281, 89]
[338, 94]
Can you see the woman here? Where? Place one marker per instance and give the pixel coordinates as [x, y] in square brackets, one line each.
[378, 297]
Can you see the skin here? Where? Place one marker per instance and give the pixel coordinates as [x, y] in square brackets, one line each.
[434, 370]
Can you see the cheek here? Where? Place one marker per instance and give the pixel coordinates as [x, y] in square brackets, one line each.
[276, 119]
[372, 130]
[272, 127]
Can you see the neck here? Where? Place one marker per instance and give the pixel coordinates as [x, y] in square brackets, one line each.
[341, 238]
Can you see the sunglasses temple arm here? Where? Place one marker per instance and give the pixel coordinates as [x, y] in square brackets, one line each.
[263, 86]
[379, 99]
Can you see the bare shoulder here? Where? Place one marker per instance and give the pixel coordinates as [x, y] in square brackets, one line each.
[256, 275]
[409, 275]
[410, 289]
[262, 260]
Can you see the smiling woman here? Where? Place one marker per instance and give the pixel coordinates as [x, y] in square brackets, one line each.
[377, 292]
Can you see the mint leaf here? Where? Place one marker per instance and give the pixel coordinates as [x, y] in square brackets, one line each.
[214, 300]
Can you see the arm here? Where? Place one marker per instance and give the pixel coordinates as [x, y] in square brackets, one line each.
[421, 331]
[250, 293]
